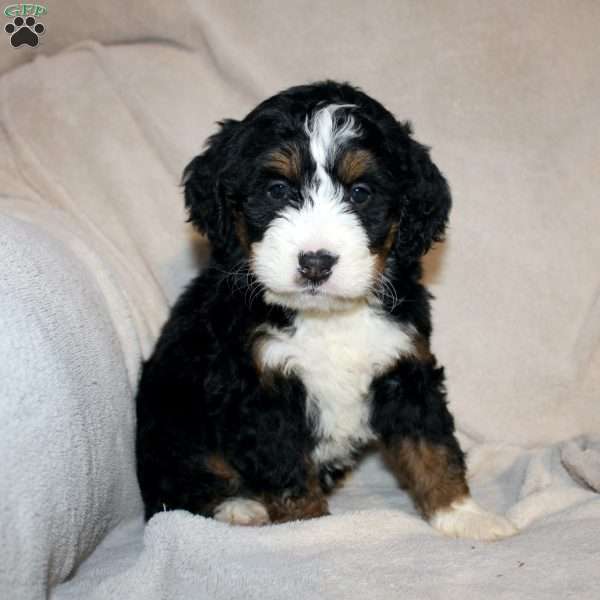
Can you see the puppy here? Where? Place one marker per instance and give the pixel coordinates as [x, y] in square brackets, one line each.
[307, 337]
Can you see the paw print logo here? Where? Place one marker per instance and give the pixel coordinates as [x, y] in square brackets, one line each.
[24, 31]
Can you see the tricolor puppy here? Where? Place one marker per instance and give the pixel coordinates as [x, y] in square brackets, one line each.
[307, 337]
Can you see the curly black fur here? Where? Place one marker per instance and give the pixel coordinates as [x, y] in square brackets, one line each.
[201, 393]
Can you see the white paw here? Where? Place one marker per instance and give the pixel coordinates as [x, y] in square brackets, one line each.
[466, 519]
[241, 511]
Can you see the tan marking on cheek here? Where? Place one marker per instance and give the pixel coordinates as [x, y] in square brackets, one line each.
[286, 162]
[382, 253]
[422, 350]
[241, 230]
[427, 472]
[354, 164]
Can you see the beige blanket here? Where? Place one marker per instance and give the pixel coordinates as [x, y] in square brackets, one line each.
[92, 145]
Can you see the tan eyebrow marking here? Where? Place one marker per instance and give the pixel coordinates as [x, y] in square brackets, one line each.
[286, 161]
[354, 164]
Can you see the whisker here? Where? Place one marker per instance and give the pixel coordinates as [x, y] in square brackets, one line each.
[238, 278]
[257, 288]
[384, 289]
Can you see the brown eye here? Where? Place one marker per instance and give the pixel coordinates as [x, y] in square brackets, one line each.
[360, 193]
[278, 190]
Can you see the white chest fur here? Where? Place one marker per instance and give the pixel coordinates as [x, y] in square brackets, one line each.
[336, 355]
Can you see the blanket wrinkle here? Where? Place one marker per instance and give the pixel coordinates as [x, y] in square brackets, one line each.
[581, 459]
[142, 123]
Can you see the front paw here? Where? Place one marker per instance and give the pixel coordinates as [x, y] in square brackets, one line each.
[241, 511]
[466, 519]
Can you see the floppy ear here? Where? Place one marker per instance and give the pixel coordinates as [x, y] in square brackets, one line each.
[426, 203]
[205, 184]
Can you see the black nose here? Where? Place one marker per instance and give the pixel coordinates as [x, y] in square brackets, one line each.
[316, 266]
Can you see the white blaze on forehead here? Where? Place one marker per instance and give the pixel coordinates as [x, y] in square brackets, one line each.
[327, 224]
[325, 137]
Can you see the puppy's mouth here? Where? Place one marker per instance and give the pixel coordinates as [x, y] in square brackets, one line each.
[312, 290]
[315, 291]
[301, 289]
[312, 298]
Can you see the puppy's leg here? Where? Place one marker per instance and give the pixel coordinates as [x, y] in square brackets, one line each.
[306, 502]
[417, 432]
[273, 508]
[271, 450]
[434, 475]
[229, 504]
